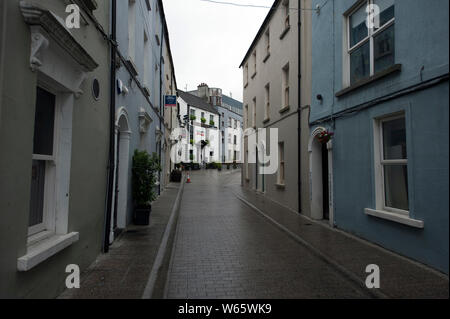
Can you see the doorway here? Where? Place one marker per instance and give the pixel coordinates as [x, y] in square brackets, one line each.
[122, 166]
[321, 178]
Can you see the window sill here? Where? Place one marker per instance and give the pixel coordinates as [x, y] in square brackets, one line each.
[245, 85]
[398, 218]
[267, 120]
[280, 186]
[132, 66]
[266, 58]
[285, 109]
[393, 69]
[42, 250]
[253, 76]
[283, 34]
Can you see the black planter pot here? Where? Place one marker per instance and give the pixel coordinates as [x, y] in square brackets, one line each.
[142, 216]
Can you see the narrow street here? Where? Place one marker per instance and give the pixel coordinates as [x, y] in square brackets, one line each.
[224, 249]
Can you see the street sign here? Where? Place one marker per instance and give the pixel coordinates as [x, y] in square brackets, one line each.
[170, 100]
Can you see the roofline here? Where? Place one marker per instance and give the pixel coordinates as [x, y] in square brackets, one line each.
[261, 30]
[196, 106]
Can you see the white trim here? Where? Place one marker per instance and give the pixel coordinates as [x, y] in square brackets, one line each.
[379, 162]
[43, 250]
[348, 50]
[315, 179]
[398, 218]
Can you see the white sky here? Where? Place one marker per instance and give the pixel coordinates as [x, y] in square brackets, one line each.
[209, 41]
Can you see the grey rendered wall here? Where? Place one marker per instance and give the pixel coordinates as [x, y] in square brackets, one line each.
[89, 159]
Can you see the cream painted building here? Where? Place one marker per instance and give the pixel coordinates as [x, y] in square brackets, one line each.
[272, 100]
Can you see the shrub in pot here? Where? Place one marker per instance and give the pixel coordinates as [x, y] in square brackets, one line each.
[175, 176]
[144, 170]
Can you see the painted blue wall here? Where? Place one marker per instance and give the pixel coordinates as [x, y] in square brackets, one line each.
[150, 21]
[421, 40]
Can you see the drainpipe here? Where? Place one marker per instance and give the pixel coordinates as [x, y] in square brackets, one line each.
[112, 112]
[161, 106]
[299, 111]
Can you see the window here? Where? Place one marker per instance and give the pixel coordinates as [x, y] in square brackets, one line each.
[192, 112]
[267, 113]
[235, 140]
[285, 96]
[286, 10]
[254, 63]
[254, 112]
[147, 60]
[281, 168]
[43, 157]
[211, 118]
[131, 29]
[392, 164]
[246, 115]
[246, 74]
[267, 39]
[370, 50]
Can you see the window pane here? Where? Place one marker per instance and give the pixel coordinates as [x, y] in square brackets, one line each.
[387, 10]
[384, 49]
[360, 63]
[396, 186]
[44, 123]
[394, 140]
[37, 193]
[358, 27]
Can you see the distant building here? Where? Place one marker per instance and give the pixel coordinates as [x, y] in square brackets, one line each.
[200, 141]
[384, 93]
[231, 122]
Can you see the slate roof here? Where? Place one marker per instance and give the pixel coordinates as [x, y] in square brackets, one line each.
[197, 102]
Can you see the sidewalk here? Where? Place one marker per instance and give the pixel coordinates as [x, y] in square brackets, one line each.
[124, 272]
[400, 277]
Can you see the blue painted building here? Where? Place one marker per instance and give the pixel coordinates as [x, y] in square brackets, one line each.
[382, 88]
[141, 79]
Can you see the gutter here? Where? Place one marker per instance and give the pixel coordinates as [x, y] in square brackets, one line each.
[112, 111]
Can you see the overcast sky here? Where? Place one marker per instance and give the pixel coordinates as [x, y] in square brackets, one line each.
[209, 41]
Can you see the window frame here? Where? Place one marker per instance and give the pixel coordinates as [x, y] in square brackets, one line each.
[371, 34]
[48, 210]
[380, 164]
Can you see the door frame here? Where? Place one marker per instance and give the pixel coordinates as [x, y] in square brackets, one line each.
[315, 178]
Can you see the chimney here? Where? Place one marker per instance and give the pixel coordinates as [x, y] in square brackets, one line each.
[203, 91]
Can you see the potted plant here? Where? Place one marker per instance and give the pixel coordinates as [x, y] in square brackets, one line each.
[192, 142]
[192, 117]
[219, 167]
[175, 176]
[203, 120]
[211, 123]
[325, 137]
[144, 172]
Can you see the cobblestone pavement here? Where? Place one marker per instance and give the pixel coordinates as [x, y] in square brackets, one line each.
[223, 249]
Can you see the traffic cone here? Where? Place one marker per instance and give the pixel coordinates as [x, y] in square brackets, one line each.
[188, 178]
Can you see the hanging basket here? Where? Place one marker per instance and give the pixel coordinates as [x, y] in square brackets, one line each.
[325, 137]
